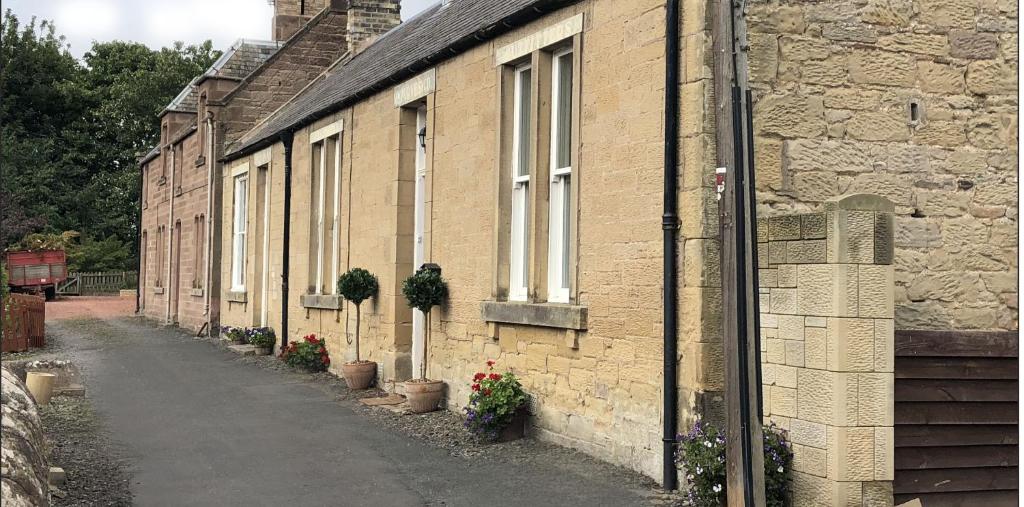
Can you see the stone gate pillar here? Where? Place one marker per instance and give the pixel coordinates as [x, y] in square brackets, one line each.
[827, 347]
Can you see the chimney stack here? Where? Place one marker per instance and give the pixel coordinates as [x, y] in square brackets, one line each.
[291, 15]
[369, 19]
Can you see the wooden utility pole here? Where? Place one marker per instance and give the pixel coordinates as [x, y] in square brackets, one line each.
[737, 229]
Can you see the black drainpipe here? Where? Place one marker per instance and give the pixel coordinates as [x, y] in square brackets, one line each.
[669, 225]
[286, 139]
[138, 240]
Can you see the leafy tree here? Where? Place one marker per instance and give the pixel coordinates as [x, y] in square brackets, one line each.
[70, 133]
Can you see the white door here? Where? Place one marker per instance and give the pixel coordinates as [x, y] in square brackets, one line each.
[417, 255]
[265, 282]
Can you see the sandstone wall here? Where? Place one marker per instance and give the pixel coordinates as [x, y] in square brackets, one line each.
[915, 100]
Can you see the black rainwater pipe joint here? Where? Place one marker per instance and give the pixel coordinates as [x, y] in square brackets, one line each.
[670, 226]
[286, 140]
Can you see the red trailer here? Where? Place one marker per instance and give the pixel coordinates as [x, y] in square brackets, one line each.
[37, 271]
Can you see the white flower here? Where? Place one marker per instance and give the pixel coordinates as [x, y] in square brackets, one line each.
[707, 443]
[699, 470]
[717, 488]
[780, 470]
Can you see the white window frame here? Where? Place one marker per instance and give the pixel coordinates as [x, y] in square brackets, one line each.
[519, 270]
[561, 190]
[240, 229]
[330, 133]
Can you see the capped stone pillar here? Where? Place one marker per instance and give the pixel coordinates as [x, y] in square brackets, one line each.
[827, 347]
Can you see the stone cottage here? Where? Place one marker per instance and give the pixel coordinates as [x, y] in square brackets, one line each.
[520, 145]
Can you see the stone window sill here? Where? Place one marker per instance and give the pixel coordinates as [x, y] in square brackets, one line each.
[236, 297]
[158, 290]
[556, 315]
[322, 302]
[200, 161]
[197, 293]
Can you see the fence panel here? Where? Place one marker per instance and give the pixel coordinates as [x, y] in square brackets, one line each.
[956, 418]
[91, 284]
[24, 318]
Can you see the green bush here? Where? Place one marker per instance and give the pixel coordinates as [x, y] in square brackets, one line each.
[493, 402]
[701, 455]
[425, 289]
[235, 334]
[309, 354]
[262, 337]
[357, 285]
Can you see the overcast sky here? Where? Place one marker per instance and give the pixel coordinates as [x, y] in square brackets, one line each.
[159, 23]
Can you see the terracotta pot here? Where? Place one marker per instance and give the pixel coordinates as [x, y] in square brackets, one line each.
[424, 396]
[40, 385]
[516, 429]
[359, 375]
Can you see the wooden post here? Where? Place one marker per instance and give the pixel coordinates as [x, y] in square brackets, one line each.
[744, 450]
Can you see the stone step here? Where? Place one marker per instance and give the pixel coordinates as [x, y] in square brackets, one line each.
[244, 350]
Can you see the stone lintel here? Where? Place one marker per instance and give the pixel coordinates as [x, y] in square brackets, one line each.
[535, 314]
[860, 202]
[236, 296]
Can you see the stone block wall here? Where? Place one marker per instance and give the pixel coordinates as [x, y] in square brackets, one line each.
[827, 347]
[914, 100]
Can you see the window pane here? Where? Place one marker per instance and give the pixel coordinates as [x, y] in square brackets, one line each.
[563, 118]
[566, 227]
[523, 97]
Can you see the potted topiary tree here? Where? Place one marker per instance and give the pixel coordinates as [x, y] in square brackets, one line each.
[357, 285]
[424, 290]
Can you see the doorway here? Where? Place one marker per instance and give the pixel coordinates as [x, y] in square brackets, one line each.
[419, 221]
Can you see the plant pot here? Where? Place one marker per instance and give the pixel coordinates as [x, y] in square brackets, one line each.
[424, 395]
[40, 385]
[359, 375]
[263, 351]
[516, 429]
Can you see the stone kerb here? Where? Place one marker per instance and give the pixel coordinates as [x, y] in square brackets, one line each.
[826, 294]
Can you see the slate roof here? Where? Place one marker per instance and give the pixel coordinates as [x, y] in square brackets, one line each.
[436, 34]
[243, 57]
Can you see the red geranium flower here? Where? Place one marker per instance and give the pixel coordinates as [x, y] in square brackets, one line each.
[478, 377]
[487, 392]
[494, 376]
[476, 387]
[490, 363]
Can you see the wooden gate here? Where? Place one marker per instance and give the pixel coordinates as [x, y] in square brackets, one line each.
[86, 284]
[24, 318]
[956, 418]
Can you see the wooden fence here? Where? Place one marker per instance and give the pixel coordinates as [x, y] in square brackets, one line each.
[956, 418]
[23, 319]
[87, 284]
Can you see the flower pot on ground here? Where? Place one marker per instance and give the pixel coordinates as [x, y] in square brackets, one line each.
[497, 406]
[262, 338]
[358, 285]
[235, 335]
[310, 354]
[424, 290]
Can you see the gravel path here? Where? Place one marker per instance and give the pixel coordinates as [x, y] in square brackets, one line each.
[202, 426]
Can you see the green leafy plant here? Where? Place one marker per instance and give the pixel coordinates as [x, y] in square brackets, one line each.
[310, 354]
[235, 334]
[357, 285]
[262, 337]
[701, 455]
[424, 290]
[493, 402]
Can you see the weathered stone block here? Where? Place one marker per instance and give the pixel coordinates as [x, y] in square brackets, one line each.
[878, 126]
[783, 301]
[791, 327]
[808, 433]
[877, 494]
[972, 45]
[785, 227]
[851, 453]
[876, 291]
[786, 275]
[947, 13]
[815, 348]
[883, 238]
[882, 67]
[805, 252]
[851, 345]
[809, 460]
[784, 401]
[768, 277]
[827, 290]
[789, 116]
[776, 252]
[875, 399]
[776, 351]
[885, 346]
[920, 43]
[827, 397]
[812, 226]
[885, 442]
[990, 77]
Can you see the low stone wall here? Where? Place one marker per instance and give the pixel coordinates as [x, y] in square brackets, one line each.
[23, 478]
[827, 347]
